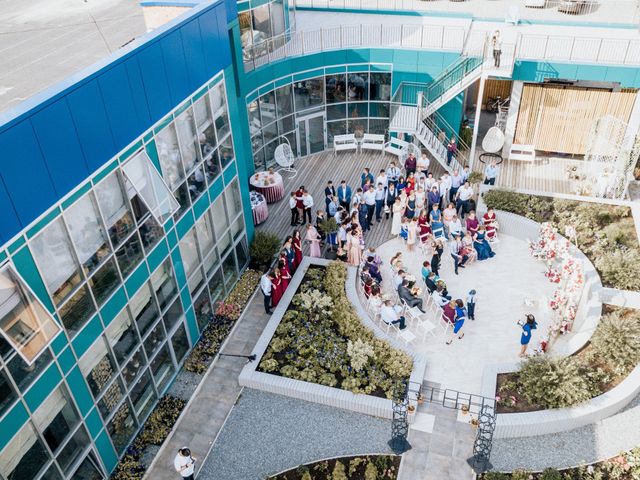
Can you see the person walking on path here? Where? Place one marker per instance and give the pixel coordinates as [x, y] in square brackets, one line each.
[266, 286]
[528, 325]
[184, 463]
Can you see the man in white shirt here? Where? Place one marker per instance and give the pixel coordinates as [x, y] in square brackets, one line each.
[369, 197]
[380, 196]
[383, 179]
[293, 205]
[445, 187]
[184, 463]
[266, 286]
[438, 296]
[465, 192]
[398, 278]
[393, 173]
[307, 201]
[456, 182]
[391, 315]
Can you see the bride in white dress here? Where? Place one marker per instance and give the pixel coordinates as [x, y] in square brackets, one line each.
[398, 211]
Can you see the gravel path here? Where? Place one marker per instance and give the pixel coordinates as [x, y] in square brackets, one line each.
[267, 433]
[583, 445]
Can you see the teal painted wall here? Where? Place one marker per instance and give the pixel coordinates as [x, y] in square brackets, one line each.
[529, 71]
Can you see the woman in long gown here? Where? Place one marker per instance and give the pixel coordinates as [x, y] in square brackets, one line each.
[481, 244]
[296, 243]
[289, 254]
[412, 234]
[396, 221]
[314, 241]
[472, 223]
[276, 287]
[424, 228]
[410, 211]
[285, 275]
[490, 224]
[355, 253]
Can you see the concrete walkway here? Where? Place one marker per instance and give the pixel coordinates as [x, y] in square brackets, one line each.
[207, 411]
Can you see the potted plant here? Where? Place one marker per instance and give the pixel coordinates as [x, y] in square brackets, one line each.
[329, 227]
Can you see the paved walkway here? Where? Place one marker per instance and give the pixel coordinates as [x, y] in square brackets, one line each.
[205, 414]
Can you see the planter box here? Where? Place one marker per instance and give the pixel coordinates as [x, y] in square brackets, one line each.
[313, 392]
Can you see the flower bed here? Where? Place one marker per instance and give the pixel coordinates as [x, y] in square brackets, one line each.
[321, 339]
[369, 467]
[602, 364]
[605, 233]
[625, 466]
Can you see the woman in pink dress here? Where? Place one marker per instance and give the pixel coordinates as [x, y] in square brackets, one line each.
[412, 234]
[314, 241]
[472, 223]
[490, 224]
[354, 253]
[297, 249]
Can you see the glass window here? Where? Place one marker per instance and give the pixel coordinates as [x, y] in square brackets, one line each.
[196, 280]
[56, 262]
[121, 333]
[129, 255]
[24, 456]
[358, 127]
[379, 109]
[261, 22]
[336, 112]
[219, 108]
[169, 155]
[226, 151]
[182, 196]
[111, 398]
[173, 314]
[284, 100]
[285, 124]
[24, 321]
[24, 374]
[237, 228]
[105, 281]
[211, 261]
[121, 427]
[133, 368]
[380, 86]
[180, 343]
[197, 183]
[204, 125]
[242, 253]
[336, 88]
[162, 368]
[378, 126]
[277, 18]
[115, 209]
[77, 310]
[358, 110]
[233, 201]
[154, 340]
[150, 233]
[229, 270]
[218, 212]
[143, 396]
[56, 418]
[74, 448]
[164, 284]
[358, 86]
[309, 93]
[270, 132]
[204, 233]
[336, 128]
[144, 309]
[185, 126]
[7, 395]
[212, 166]
[88, 469]
[97, 366]
[255, 124]
[202, 308]
[268, 108]
[52, 474]
[189, 252]
[258, 161]
[216, 286]
[149, 185]
[87, 234]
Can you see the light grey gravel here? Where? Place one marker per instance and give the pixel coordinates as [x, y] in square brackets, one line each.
[184, 385]
[584, 445]
[267, 433]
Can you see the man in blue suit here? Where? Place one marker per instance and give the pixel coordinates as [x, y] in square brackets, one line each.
[344, 195]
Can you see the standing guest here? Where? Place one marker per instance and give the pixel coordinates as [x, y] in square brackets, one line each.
[296, 243]
[471, 304]
[320, 217]
[333, 206]
[289, 254]
[363, 215]
[438, 248]
[266, 286]
[410, 164]
[421, 197]
[434, 196]
[329, 193]
[401, 185]
[344, 195]
[357, 197]
[396, 222]
[184, 463]
[390, 199]
[314, 241]
[379, 198]
[490, 224]
[300, 203]
[423, 164]
[457, 181]
[353, 248]
[411, 183]
[369, 197]
[307, 203]
[366, 176]
[293, 205]
[285, 275]
[276, 287]
[445, 188]
[481, 244]
[455, 246]
[393, 174]
[429, 182]
[382, 178]
[490, 173]
[459, 322]
[496, 44]
[391, 315]
[424, 229]
[342, 234]
[412, 234]
[472, 223]
[465, 193]
[466, 171]
[437, 223]
[528, 325]
[452, 149]
[410, 210]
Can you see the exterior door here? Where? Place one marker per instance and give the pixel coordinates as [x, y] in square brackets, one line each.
[312, 134]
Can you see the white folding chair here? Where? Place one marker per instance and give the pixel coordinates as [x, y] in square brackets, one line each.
[426, 327]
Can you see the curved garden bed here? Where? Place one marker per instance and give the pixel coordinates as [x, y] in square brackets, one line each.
[361, 467]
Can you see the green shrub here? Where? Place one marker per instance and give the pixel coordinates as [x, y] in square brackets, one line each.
[263, 249]
[339, 471]
[370, 472]
[328, 225]
[495, 476]
[475, 177]
[620, 268]
[160, 422]
[550, 474]
[617, 341]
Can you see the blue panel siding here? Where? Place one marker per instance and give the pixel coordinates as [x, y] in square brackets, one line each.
[209, 34]
[12, 422]
[155, 81]
[10, 222]
[138, 92]
[177, 77]
[194, 53]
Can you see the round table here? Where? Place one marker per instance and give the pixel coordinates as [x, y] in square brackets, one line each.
[258, 207]
[268, 184]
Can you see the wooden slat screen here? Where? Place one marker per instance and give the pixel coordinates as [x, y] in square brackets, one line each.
[494, 88]
[559, 119]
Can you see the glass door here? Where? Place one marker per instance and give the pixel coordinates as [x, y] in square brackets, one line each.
[312, 134]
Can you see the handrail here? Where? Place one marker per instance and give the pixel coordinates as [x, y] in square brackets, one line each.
[452, 76]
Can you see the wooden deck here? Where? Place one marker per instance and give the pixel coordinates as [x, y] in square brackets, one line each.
[313, 172]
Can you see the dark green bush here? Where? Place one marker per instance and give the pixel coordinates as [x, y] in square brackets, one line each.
[263, 250]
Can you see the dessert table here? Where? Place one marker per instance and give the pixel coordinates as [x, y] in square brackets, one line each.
[269, 184]
[258, 207]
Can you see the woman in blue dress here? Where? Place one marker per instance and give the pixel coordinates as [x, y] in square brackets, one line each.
[410, 211]
[481, 244]
[437, 225]
[461, 316]
[527, 326]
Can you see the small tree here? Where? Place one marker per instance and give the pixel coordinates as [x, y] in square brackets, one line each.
[617, 341]
[263, 248]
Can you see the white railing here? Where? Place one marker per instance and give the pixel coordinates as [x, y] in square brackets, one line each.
[612, 51]
[430, 37]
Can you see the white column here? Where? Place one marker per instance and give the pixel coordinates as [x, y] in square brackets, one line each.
[512, 117]
[476, 122]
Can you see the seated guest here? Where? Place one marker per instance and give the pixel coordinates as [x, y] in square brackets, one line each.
[438, 296]
[364, 274]
[396, 261]
[341, 254]
[371, 252]
[472, 223]
[449, 311]
[374, 271]
[390, 314]
[398, 279]
[455, 226]
[441, 283]
[430, 282]
[405, 294]
[368, 285]
[375, 299]
[426, 270]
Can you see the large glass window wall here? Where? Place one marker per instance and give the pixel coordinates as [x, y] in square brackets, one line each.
[262, 29]
[352, 102]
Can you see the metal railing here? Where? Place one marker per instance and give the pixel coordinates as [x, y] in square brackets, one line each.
[434, 37]
[452, 76]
